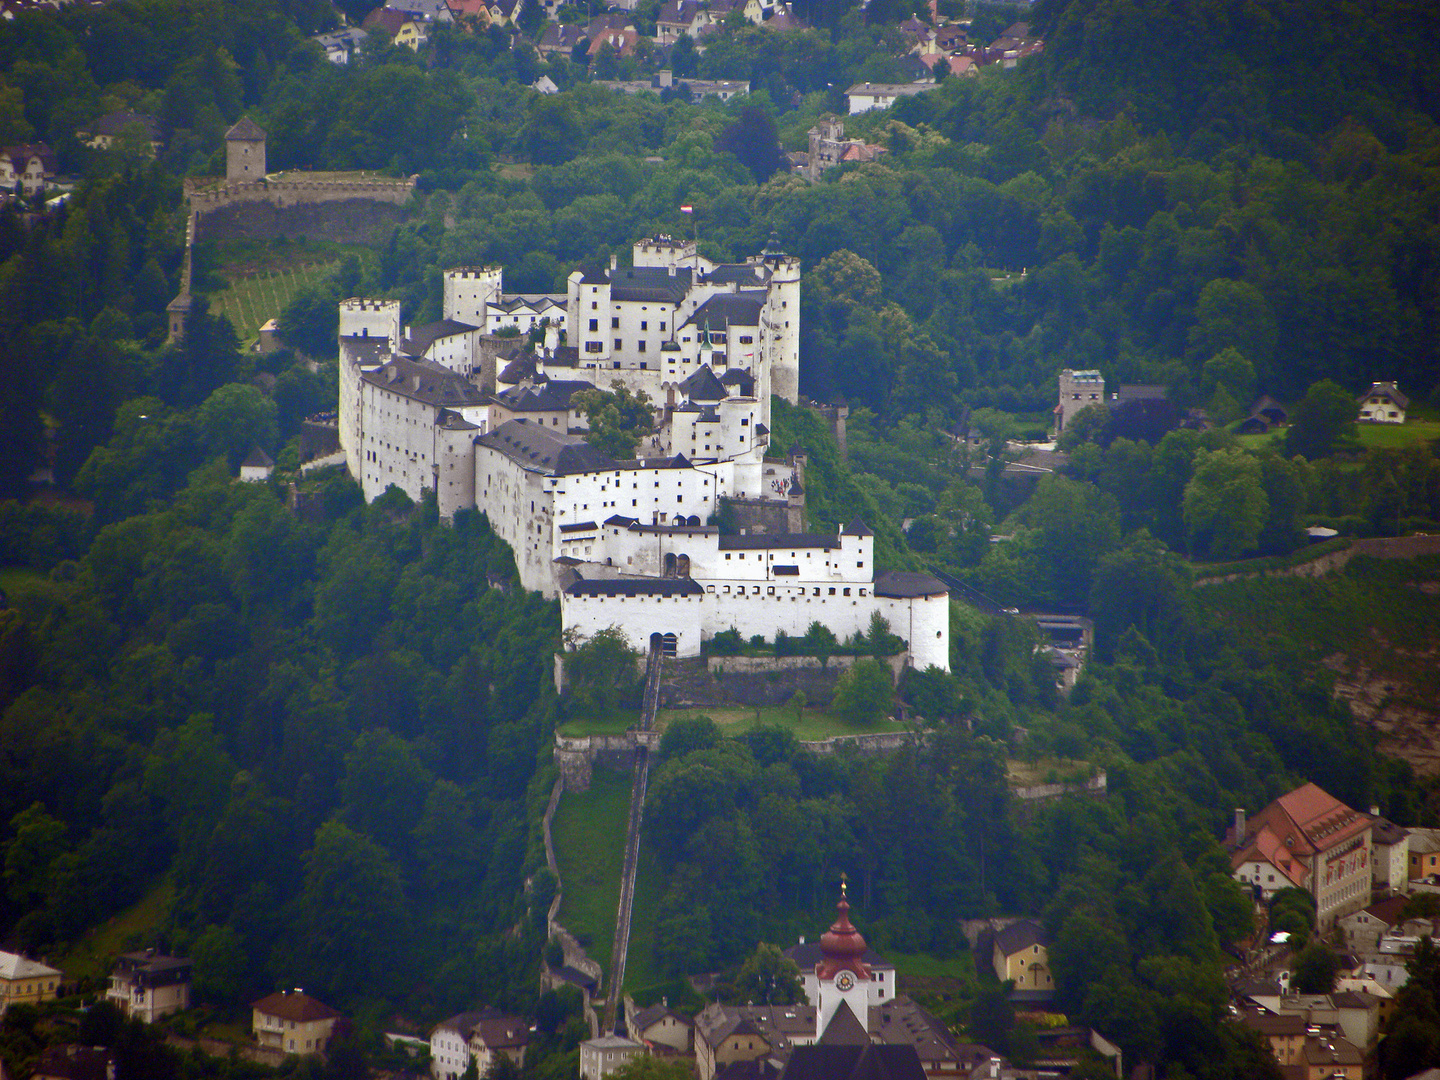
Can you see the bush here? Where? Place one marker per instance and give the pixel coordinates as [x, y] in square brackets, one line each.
[726, 643]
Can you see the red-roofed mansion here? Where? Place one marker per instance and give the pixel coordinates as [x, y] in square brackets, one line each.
[1310, 840]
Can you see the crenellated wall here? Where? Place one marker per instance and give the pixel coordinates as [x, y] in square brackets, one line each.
[344, 211]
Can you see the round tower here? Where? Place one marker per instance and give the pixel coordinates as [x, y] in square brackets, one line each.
[783, 311]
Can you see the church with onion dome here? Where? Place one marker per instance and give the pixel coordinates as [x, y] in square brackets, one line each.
[852, 1024]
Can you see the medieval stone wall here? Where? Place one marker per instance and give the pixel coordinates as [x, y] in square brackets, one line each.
[345, 221]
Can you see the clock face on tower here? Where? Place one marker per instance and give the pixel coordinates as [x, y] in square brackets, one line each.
[844, 981]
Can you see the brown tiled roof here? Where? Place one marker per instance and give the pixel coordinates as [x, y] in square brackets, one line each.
[294, 1005]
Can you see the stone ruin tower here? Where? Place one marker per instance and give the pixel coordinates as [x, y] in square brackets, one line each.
[245, 151]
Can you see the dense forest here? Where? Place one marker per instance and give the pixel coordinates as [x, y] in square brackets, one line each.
[320, 730]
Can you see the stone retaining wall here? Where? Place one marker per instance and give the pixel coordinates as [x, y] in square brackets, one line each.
[1377, 547]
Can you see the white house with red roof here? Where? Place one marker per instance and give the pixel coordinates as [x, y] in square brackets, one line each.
[1310, 840]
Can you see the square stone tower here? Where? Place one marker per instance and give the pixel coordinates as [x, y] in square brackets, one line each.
[245, 151]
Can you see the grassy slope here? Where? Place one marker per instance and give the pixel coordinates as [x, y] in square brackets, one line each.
[589, 832]
[250, 301]
[92, 954]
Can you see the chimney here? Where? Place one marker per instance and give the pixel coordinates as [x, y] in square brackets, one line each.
[1239, 824]
[671, 268]
[1374, 811]
[552, 338]
[613, 263]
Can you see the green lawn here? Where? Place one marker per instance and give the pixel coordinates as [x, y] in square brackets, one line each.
[817, 723]
[589, 834]
[925, 966]
[255, 298]
[92, 954]
[1393, 436]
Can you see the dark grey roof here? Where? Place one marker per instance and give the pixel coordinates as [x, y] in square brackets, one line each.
[744, 273]
[1020, 935]
[1142, 392]
[903, 584]
[545, 449]
[1385, 831]
[635, 587]
[575, 976]
[245, 130]
[856, 528]
[542, 398]
[702, 385]
[422, 337]
[579, 526]
[741, 380]
[870, 1062]
[115, 124]
[844, 1029]
[366, 349]
[257, 458]
[654, 283]
[425, 381]
[645, 1017]
[777, 540]
[455, 422]
[618, 519]
[724, 309]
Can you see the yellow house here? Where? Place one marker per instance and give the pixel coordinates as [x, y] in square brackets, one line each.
[293, 1022]
[1020, 953]
[26, 981]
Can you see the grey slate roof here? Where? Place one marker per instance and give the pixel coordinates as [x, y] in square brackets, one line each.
[544, 449]
[869, 1062]
[764, 541]
[257, 459]
[702, 385]
[903, 584]
[844, 1029]
[422, 337]
[725, 309]
[425, 381]
[635, 587]
[245, 130]
[1020, 935]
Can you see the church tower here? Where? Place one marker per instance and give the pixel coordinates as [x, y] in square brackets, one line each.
[843, 975]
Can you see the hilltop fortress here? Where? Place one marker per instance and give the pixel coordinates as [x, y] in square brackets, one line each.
[630, 543]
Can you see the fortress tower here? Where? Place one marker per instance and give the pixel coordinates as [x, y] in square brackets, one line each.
[782, 313]
[245, 151]
[468, 290]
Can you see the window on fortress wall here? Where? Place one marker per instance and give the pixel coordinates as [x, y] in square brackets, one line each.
[614, 322]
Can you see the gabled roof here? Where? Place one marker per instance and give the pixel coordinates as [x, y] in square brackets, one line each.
[725, 309]
[869, 1062]
[257, 459]
[702, 385]
[115, 123]
[844, 1029]
[856, 528]
[654, 1014]
[21, 155]
[245, 130]
[296, 1006]
[422, 337]
[742, 382]
[1385, 390]
[1019, 936]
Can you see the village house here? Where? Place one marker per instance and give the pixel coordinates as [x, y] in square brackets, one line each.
[1310, 840]
[1363, 929]
[257, 466]
[341, 45]
[401, 28]
[1390, 853]
[1424, 857]
[150, 985]
[600, 1057]
[680, 18]
[106, 131]
[482, 1036]
[26, 982]
[1021, 953]
[1383, 403]
[865, 97]
[658, 1026]
[27, 168]
[293, 1022]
